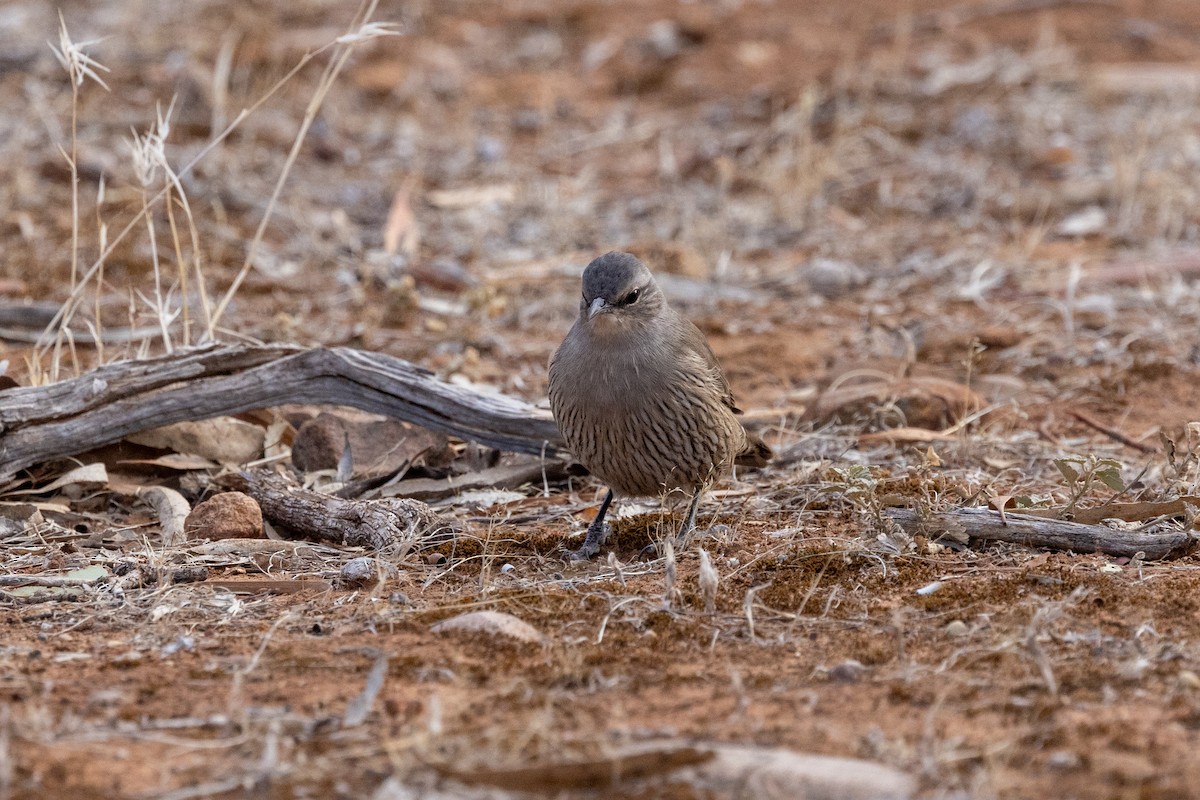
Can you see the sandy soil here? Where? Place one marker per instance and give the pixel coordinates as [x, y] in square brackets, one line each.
[999, 196]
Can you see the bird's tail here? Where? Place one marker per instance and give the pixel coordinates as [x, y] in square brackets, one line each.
[755, 453]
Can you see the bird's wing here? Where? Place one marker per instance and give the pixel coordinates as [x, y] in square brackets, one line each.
[693, 341]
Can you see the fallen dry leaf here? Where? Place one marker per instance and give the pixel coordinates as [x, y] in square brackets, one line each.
[905, 436]
[401, 236]
[496, 623]
[227, 440]
[1129, 512]
[177, 461]
[89, 475]
[172, 510]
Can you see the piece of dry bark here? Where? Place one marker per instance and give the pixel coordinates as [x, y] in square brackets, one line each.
[987, 525]
[392, 524]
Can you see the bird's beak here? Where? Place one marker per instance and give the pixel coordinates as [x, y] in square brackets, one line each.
[596, 307]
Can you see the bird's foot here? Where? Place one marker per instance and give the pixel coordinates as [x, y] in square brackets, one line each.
[591, 543]
[684, 540]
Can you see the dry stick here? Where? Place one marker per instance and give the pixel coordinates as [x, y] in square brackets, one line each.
[988, 525]
[972, 12]
[97, 326]
[35, 599]
[236, 708]
[27, 579]
[159, 306]
[375, 524]
[1112, 433]
[181, 269]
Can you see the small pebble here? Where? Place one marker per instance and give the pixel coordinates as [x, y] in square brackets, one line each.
[489, 149]
[359, 572]
[128, 659]
[365, 571]
[230, 515]
[1063, 759]
[956, 628]
[720, 531]
[193, 574]
[830, 279]
[849, 671]
[182, 643]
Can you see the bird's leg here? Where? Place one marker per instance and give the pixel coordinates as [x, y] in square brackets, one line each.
[685, 532]
[689, 522]
[596, 533]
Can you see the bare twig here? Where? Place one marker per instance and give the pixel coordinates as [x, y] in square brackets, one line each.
[987, 525]
[1111, 432]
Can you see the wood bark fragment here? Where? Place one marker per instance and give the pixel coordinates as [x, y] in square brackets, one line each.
[988, 525]
[395, 525]
[39, 423]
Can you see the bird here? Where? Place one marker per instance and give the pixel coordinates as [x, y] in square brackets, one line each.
[639, 396]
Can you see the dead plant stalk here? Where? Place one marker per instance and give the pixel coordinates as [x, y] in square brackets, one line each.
[56, 331]
[344, 45]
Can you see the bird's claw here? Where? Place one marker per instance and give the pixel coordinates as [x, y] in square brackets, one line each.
[682, 542]
[591, 543]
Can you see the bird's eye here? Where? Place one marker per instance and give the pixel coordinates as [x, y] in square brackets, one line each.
[632, 297]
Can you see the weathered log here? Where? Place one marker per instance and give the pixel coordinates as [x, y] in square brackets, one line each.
[39, 423]
[1053, 534]
[393, 524]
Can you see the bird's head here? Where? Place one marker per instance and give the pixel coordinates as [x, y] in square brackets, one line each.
[619, 294]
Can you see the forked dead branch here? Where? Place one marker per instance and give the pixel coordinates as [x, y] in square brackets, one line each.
[102, 406]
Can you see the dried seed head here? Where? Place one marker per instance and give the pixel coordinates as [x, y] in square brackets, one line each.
[149, 149]
[708, 582]
[370, 30]
[669, 557]
[78, 64]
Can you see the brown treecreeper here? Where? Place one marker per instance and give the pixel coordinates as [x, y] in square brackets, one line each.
[640, 398]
